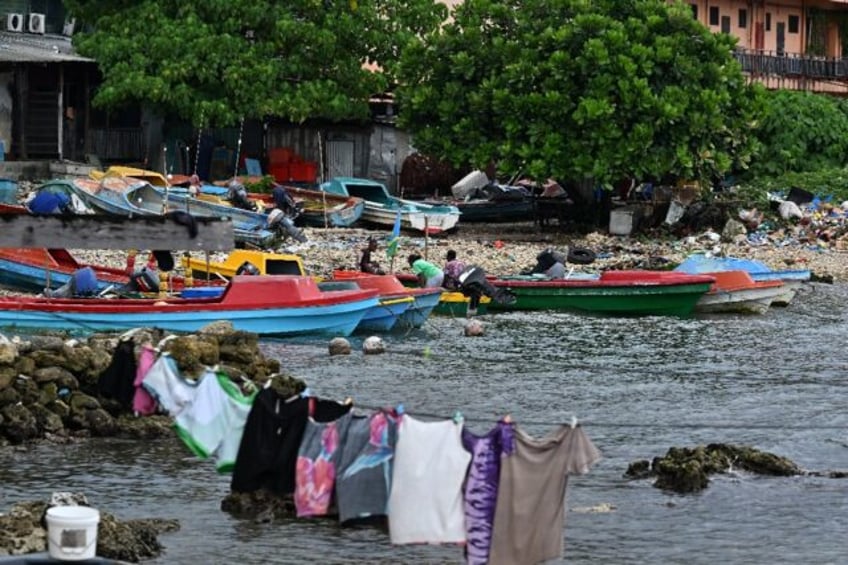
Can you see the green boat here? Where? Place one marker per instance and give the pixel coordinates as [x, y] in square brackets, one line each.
[622, 293]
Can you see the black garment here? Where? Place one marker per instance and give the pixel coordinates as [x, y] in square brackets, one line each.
[365, 261]
[116, 380]
[164, 259]
[267, 455]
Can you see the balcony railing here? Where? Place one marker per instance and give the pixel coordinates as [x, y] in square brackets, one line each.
[791, 65]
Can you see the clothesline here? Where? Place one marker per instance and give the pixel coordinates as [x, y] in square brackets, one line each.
[602, 424]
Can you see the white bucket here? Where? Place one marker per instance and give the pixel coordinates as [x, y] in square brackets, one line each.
[72, 532]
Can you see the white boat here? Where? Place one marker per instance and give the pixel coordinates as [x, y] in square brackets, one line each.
[736, 292]
[382, 208]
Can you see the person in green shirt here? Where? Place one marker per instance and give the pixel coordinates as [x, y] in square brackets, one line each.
[429, 275]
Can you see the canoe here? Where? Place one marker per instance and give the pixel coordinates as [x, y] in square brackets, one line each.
[633, 293]
[793, 279]
[265, 262]
[281, 305]
[736, 292]
[382, 208]
[426, 299]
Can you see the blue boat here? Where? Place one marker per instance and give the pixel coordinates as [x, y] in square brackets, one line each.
[383, 317]
[425, 303]
[383, 208]
[279, 305]
[792, 279]
[127, 196]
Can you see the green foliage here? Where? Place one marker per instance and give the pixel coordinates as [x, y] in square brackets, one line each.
[800, 131]
[264, 185]
[214, 62]
[574, 89]
[831, 182]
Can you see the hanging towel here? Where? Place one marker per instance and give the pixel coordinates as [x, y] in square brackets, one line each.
[425, 504]
[143, 403]
[165, 383]
[317, 461]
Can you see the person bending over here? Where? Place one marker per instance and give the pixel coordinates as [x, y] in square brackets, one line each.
[429, 275]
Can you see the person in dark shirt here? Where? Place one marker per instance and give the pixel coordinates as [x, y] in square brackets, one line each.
[368, 265]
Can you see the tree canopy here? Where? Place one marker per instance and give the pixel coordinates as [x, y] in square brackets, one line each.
[578, 88]
[213, 62]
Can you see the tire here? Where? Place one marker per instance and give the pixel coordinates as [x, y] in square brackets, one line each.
[581, 256]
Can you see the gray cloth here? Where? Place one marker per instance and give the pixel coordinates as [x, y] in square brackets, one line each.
[364, 480]
[556, 271]
[530, 513]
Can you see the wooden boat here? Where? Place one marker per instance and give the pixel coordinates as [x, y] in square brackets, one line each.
[631, 292]
[151, 177]
[792, 279]
[320, 208]
[268, 305]
[736, 292]
[33, 270]
[426, 299]
[382, 208]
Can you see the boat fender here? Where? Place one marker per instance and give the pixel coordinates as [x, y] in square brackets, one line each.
[580, 256]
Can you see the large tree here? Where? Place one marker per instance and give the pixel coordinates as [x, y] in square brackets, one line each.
[213, 62]
[575, 89]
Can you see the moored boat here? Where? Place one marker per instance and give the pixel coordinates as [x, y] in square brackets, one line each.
[382, 208]
[632, 292]
[265, 263]
[793, 279]
[267, 305]
[456, 304]
[736, 292]
[384, 317]
[320, 208]
[425, 302]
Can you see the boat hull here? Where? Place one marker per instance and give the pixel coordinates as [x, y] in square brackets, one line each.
[456, 304]
[627, 293]
[421, 309]
[269, 305]
[385, 316]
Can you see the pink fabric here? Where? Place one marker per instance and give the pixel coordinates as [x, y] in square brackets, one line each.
[143, 403]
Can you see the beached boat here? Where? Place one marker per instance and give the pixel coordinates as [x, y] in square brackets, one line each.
[319, 208]
[389, 286]
[736, 292]
[128, 196]
[382, 208]
[793, 279]
[631, 292]
[151, 177]
[33, 270]
[264, 262]
[267, 305]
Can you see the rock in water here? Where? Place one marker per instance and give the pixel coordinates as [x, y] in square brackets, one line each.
[373, 345]
[339, 346]
[474, 328]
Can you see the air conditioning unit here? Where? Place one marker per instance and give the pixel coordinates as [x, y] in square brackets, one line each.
[14, 22]
[36, 23]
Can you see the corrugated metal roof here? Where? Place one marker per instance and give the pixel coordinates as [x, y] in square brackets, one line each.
[32, 48]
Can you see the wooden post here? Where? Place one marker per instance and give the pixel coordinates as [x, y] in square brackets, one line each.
[426, 238]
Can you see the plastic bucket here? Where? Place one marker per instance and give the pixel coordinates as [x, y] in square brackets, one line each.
[72, 532]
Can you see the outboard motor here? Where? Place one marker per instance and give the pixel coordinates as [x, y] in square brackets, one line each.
[278, 220]
[474, 284]
[248, 268]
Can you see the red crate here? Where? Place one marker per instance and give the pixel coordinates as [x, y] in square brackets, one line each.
[280, 155]
[279, 172]
[307, 171]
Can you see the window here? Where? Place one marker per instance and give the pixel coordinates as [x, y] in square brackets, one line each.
[768, 21]
[743, 19]
[794, 24]
[725, 24]
[694, 10]
[713, 15]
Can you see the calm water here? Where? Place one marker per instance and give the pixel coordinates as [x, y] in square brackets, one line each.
[777, 382]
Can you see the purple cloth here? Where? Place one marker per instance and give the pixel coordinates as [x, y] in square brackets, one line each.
[481, 486]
